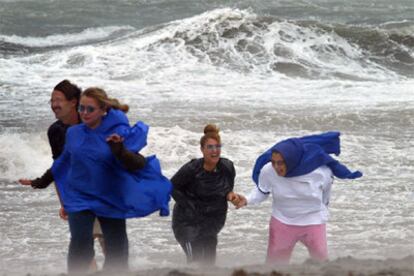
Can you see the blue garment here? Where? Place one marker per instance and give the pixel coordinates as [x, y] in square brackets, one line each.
[89, 177]
[305, 154]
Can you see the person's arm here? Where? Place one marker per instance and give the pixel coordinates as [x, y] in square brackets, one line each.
[228, 166]
[44, 181]
[256, 196]
[40, 182]
[130, 160]
[261, 192]
[180, 181]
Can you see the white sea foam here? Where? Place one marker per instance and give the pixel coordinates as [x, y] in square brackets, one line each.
[23, 155]
[164, 56]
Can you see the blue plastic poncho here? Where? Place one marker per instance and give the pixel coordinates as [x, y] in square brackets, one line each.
[89, 177]
[305, 154]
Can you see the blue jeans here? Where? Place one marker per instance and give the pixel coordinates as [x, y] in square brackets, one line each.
[81, 248]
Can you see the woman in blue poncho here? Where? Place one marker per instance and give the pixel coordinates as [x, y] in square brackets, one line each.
[100, 174]
[298, 172]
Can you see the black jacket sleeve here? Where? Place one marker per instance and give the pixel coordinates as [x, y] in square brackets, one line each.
[130, 160]
[230, 170]
[43, 181]
[180, 181]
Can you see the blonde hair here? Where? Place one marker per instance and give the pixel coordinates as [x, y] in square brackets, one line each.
[210, 132]
[103, 100]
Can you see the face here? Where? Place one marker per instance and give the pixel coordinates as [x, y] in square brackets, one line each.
[279, 164]
[61, 106]
[211, 151]
[90, 112]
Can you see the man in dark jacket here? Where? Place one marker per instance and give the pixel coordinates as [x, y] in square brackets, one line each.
[64, 103]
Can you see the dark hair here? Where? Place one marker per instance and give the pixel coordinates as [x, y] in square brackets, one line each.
[70, 90]
[103, 100]
[210, 131]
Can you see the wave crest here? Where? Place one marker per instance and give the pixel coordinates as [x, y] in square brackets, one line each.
[242, 41]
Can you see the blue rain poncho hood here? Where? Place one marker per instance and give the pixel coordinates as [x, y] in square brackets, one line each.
[305, 154]
[89, 177]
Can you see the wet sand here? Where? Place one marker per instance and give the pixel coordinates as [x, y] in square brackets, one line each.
[343, 266]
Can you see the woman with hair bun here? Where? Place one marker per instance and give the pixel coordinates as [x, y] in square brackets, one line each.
[201, 189]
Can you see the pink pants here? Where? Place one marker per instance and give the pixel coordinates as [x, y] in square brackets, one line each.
[283, 237]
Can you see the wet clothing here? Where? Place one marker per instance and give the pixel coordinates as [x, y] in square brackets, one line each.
[300, 200]
[108, 182]
[299, 211]
[303, 155]
[201, 250]
[90, 177]
[301, 196]
[43, 181]
[56, 134]
[201, 206]
[283, 238]
[81, 246]
[131, 161]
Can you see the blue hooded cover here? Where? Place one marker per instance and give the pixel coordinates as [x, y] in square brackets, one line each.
[305, 154]
[89, 177]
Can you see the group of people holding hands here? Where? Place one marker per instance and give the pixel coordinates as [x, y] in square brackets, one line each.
[102, 180]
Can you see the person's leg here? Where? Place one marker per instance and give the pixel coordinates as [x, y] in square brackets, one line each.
[98, 235]
[282, 240]
[315, 241]
[187, 246]
[81, 251]
[202, 250]
[208, 249]
[116, 243]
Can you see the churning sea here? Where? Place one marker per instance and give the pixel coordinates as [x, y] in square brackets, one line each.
[261, 70]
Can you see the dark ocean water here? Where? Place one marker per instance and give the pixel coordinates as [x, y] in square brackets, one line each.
[46, 17]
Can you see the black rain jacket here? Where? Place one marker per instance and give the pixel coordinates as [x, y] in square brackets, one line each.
[201, 205]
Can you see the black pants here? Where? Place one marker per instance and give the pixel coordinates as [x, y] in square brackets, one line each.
[81, 249]
[202, 250]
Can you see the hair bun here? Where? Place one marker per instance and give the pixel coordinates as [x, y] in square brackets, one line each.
[211, 129]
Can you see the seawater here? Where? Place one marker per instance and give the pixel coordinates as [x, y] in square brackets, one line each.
[262, 71]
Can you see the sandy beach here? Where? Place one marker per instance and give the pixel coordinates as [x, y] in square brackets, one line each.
[342, 266]
[346, 266]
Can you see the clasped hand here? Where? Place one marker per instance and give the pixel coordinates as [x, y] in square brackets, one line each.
[236, 199]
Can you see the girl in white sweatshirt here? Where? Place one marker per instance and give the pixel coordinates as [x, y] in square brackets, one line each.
[299, 176]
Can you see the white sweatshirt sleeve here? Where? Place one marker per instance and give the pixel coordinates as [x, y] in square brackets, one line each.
[256, 197]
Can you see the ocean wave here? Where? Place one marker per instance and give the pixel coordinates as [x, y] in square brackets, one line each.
[242, 41]
[13, 44]
[235, 40]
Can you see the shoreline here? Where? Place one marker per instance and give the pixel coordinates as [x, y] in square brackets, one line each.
[343, 266]
[347, 266]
